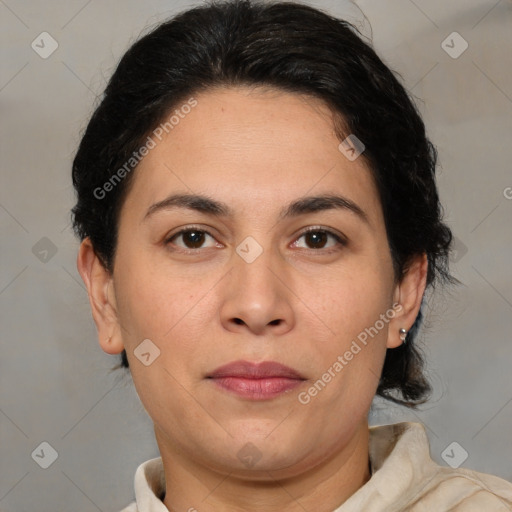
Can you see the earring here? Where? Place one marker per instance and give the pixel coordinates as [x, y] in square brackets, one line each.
[402, 334]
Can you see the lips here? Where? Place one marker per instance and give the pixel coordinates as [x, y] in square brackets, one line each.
[256, 381]
[247, 370]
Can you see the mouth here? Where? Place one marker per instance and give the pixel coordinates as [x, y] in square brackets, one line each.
[256, 381]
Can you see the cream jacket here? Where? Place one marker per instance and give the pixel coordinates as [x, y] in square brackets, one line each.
[403, 478]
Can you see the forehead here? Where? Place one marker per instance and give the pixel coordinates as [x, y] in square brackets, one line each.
[249, 145]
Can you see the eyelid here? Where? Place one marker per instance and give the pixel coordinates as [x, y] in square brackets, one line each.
[185, 229]
[341, 239]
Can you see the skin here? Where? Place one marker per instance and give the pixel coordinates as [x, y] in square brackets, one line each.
[300, 303]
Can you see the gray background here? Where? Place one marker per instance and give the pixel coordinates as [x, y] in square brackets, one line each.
[55, 380]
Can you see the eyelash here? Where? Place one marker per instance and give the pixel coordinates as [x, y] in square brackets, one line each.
[341, 241]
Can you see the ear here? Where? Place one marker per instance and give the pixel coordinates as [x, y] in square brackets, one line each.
[408, 295]
[100, 287]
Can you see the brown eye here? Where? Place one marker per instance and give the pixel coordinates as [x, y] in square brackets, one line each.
[318, 238]
[192, 238]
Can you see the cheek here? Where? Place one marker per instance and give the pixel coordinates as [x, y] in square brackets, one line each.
[152, 300]
[354, 301]
[169, 308]
[356, 310]
[168, 312]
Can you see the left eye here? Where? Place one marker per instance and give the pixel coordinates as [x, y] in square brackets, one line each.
[318, 238]
[193, 238]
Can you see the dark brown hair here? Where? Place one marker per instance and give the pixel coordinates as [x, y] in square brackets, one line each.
[294, 48]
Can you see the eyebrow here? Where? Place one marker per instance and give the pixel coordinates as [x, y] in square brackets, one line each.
[301, 206]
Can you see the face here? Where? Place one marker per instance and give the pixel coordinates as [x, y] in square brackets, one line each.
[242, 277]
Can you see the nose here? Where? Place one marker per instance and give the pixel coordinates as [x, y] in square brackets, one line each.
[258, 296]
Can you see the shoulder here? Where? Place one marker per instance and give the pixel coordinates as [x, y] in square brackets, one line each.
[400, 455]
[149, 487]
[463, 490]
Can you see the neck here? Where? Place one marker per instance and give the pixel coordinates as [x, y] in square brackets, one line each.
[324, 486]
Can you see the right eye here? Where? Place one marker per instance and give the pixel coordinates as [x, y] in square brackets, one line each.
[192, 238]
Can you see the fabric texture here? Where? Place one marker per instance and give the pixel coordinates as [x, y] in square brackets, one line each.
[403, 478]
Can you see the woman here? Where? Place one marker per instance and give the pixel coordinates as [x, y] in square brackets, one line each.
[259, 222]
